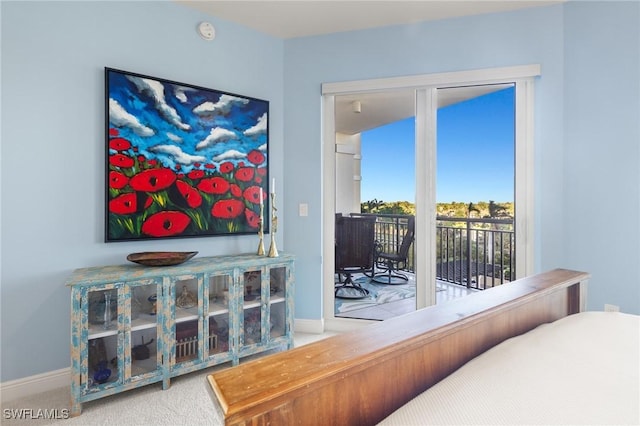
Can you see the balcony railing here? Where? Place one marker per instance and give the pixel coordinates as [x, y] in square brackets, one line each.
[477, 253]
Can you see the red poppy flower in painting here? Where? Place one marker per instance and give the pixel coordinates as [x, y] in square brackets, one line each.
[227, 209]
[215, 185]
[119, 144]
[127, 203]
[113, 132]
[120, 160]
[226, 167]
[255, 157]
[117, 180]
[252, 218]
[209, 166]
[244, 174]
[152, 180]
[252, 194]
[235, 190]
[165, 224]
[262, 171]
[190, 194]
[195, 174]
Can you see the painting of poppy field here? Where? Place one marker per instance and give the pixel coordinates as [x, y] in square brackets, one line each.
[181, 160]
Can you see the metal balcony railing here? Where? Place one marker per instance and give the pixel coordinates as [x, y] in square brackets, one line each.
[477, 253]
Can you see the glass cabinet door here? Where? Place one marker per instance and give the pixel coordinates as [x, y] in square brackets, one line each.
[122, 334]
[144, 346]
[103, 339]
[219, 336]
[186, 330]
[277, 301]
[251, 330]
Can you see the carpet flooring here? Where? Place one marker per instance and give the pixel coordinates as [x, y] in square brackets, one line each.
[188, 401]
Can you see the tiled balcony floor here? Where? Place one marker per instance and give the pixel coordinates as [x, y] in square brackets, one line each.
[444, 292]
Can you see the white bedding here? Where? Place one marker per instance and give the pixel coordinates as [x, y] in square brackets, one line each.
[582, 369]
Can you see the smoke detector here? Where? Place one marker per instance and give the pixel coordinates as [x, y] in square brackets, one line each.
[206, 31]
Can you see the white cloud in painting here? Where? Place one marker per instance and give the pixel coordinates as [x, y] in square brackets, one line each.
[259, 128]
[180, 92]
[232, 154]
[222, 107]
[178, 155]
[155, 89]
[121, 118]
[263, 147]
[216, 135]
[174, 138]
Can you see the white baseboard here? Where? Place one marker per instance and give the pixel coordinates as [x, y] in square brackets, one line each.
[32, 385]
[308, 326]
[342, 325]
[320, 326]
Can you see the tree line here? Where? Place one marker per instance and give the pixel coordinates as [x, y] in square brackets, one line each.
[479, 209]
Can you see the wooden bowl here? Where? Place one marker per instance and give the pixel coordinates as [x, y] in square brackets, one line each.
[161, 258]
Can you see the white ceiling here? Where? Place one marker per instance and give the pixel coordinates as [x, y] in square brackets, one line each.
[291, 18]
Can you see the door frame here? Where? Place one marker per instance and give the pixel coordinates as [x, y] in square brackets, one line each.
[426, 86]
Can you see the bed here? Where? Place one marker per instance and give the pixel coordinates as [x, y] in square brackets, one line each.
[407, 370]
[581, 369]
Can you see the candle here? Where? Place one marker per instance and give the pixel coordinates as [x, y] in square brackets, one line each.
[273, 186]
[261, 199]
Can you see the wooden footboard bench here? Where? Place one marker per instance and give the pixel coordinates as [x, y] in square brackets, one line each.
[361, 377]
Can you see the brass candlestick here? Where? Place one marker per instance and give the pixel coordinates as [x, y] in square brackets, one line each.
[261, 228]
[273, 251]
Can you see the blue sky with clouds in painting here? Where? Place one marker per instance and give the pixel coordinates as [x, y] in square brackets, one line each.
[176, 123]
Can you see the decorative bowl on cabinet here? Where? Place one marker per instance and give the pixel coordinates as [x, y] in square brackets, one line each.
[161, 258]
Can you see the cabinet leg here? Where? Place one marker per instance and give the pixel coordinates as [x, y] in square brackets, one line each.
[166, 383]
[76, 408]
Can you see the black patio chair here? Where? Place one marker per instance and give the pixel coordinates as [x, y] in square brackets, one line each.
[355, 253]
[392, 262]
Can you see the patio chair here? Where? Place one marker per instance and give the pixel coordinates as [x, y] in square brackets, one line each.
[392, 262]
[355, 253]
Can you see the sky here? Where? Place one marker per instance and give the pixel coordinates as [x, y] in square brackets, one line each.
[185, 127]
[475, 154]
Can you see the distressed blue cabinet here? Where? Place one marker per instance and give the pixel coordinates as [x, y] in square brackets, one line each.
[134, 325]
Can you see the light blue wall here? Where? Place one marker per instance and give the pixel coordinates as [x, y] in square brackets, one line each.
[52, 137]
[53, 56]
[533, 36]
[602, 147]
[587, 184]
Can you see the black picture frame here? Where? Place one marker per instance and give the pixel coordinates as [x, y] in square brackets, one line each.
[182, 160]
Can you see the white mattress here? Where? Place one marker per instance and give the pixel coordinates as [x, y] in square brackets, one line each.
[582, 369]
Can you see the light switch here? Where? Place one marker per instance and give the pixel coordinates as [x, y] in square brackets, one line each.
[303, 209]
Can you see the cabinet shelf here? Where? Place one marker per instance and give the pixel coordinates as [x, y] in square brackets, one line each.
[252, 304]
[279, 299]
[143, 322]
[154, 348]
[189, 314]
[218, 310]
[98, 332]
